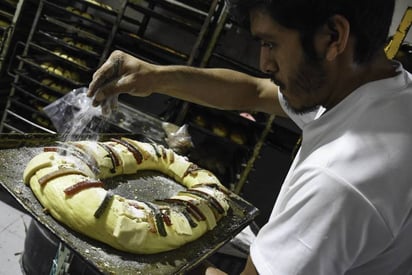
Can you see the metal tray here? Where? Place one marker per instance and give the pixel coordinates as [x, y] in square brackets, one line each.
[17, 150]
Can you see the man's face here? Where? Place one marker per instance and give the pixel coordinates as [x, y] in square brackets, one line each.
[301, 80]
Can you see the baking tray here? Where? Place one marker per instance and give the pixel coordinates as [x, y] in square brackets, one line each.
[16, 150]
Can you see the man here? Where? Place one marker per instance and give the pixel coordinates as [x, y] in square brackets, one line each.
[345, 205]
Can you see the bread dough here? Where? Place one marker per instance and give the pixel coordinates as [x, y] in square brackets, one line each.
[125, 224]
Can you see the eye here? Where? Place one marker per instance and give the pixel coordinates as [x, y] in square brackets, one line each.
[267, 44]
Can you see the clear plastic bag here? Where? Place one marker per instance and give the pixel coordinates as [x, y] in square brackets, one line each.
[178, 138]
[73, 114]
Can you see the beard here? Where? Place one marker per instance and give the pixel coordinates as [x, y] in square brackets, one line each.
[301, 110]
[309, 79]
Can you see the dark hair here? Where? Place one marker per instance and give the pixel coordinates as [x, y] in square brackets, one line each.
[369, 20]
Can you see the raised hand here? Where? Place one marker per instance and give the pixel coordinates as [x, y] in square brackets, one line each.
[121, 73]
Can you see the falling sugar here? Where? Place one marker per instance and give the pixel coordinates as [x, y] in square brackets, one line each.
[84, 122]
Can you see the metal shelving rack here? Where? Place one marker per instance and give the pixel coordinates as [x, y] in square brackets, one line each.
[9, 16]
[154, 30]
[69, 40]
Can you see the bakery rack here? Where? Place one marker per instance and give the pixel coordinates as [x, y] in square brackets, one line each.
[10, 11]
[69, 40]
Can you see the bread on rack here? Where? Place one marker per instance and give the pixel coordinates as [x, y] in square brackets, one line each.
[100, 4]
[4, 24]
[72, 42]
[79, 12]
[60, 71]
[54, 86]
[70, 58]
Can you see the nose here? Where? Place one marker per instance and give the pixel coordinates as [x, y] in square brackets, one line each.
[267, 62]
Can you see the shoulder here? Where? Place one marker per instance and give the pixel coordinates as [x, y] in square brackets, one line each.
[319, 186]
[324, 219]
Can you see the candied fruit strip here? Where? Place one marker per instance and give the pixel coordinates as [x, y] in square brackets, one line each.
[104, 205]
[192, 223]
[191, 208]
[158, 218]
[58, 173]
[136, 153]
[166, 217]
[158, 154]
[114, 158]
[82, 185]
[210, 199]
[50, 149]
[192, 168]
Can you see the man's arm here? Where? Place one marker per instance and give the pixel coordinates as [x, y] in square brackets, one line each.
[218, 88]
[249, 269]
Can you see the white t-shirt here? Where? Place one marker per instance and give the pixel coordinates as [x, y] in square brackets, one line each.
[345, 205]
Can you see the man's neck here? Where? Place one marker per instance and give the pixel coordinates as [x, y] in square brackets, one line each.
[355, 75]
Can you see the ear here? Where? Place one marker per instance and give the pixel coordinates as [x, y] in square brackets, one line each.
[338, 29]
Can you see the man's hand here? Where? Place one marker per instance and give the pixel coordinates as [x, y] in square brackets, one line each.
[121, 73]
[214, 271]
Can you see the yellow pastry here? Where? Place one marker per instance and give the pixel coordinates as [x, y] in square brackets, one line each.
[71, 188]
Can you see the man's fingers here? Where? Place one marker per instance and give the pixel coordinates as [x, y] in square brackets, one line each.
[112, 89]
[98, 79]
[106, 74]
[101, 95]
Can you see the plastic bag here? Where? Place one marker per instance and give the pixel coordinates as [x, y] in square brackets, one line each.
[73, 114]
[178, 139]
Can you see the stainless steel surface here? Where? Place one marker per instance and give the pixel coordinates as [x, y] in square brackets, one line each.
[106, 259]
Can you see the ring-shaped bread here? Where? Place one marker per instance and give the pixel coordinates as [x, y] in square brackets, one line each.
[67, 180]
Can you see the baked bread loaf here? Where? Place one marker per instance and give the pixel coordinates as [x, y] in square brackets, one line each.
[58, 70]
[68, 180]
[66, 56]
[55, 86]
[70, 41]
[4, 24]
[79, 12]
[100, 4]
